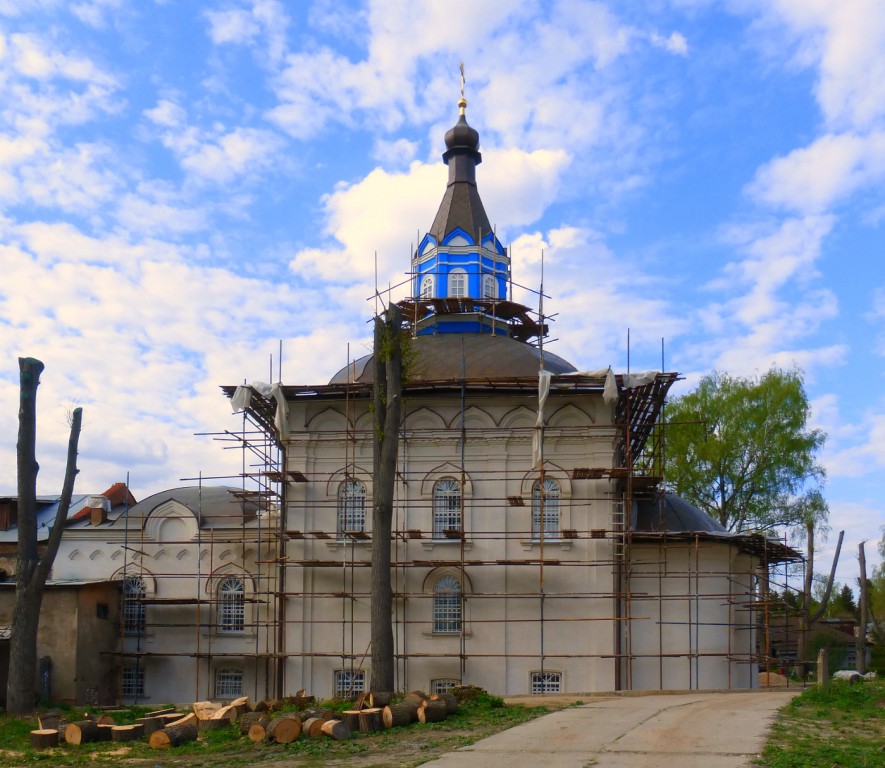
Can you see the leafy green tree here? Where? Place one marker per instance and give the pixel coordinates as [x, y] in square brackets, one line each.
[741, 450]
[843, 605]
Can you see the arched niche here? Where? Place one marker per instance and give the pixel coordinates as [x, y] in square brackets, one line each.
[171, 522]
[570, 416]
[520, 417]
[424, 418]
[328, 420]
[447, 469]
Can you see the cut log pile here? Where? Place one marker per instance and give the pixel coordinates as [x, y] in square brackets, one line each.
[262, 723]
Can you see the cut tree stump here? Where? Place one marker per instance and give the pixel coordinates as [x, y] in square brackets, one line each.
[205, 709]
[86, 731]
[336, 729]
[415, 698]
[150, 724]
[44, 738]
[172, 736]
[449, 699]
[158, 712]
[283, 730]
[379, 699]
[106, 720]
[188, 719]
[362, 720]
[396, 715]
[127, 732]
[433, 711]
[232, 711]
[212, 725]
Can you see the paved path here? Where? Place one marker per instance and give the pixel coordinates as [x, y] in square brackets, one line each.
[695, 730]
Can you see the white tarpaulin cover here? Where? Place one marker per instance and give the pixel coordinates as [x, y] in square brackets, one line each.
[243, 396]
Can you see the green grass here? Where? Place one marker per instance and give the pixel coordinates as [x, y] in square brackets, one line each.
[395, 748]
[843, 725]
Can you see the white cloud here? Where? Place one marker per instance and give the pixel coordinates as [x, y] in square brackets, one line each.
[675, 42]
[244, 27]
[167, 114]
[813, 178]
[394, 153]
[846, 41]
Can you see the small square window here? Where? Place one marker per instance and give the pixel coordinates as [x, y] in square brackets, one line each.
[546, 682]
[228, 683]
[443, 684]
[133, 682]
[102, 611]
[349, 683]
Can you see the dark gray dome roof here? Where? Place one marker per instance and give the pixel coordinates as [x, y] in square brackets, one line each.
[439, 357]
[671, 513]
[213, 504]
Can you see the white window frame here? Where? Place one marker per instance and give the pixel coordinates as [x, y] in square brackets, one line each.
[447, 493]
[447, 606]
[349, 683]
[132, 682]
[489, 287]
[232, 605]
[134, 588]
[351, 507]
[443, 684]
[545, 682]
[552, 495]
[426, 287]
[228, 683]
[457, 284]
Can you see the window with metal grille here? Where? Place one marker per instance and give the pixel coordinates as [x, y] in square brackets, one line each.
[351, 507]
[443, 684]
[548, 505]
[134, 591]
[133, 682]
[349, 683]
[228, 683]
[231, 605]
[546, 682]
[489, 288]
[446, 507]
[447, 606]
[457, 283]
[427, 286]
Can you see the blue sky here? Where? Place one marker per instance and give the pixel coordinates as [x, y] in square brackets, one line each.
[183, 185]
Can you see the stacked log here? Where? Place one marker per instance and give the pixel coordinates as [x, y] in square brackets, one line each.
[188, 719]
[433, 711]
[159, 712]
[205, 709]
[212, 724]
[313, 726]
[106, 720]
[259, 719]
[416, 698]
[335, 729]
[363, 720]
[283, 730]
[449, 699]
[86, 731]
[404, 713]
[44, 738]
[172, 736]
[127, 732]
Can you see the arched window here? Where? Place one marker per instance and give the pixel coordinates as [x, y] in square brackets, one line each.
[427, 286]
[489, 287]
[446, 507]
[351, 507]
[457, 283]
[134, 591]
[231, 605]
[228, 683]
[546, 505]
[447, 606]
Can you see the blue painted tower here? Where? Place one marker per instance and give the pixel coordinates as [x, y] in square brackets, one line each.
[460, 271]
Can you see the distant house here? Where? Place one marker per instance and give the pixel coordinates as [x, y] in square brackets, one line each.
[79, 627]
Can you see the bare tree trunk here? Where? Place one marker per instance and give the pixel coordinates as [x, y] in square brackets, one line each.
[806, 618]
[861, 647]
[387, 400]
[31, 570]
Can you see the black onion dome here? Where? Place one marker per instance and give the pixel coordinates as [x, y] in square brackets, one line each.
[462, 135]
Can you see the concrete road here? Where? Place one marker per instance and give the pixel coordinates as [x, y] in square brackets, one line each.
[692, 730]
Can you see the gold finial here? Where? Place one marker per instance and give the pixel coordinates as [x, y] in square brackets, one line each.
[462, 102]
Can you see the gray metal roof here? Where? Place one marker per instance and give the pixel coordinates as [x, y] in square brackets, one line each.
[212, 504]
[667, 512]
[439, 357]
